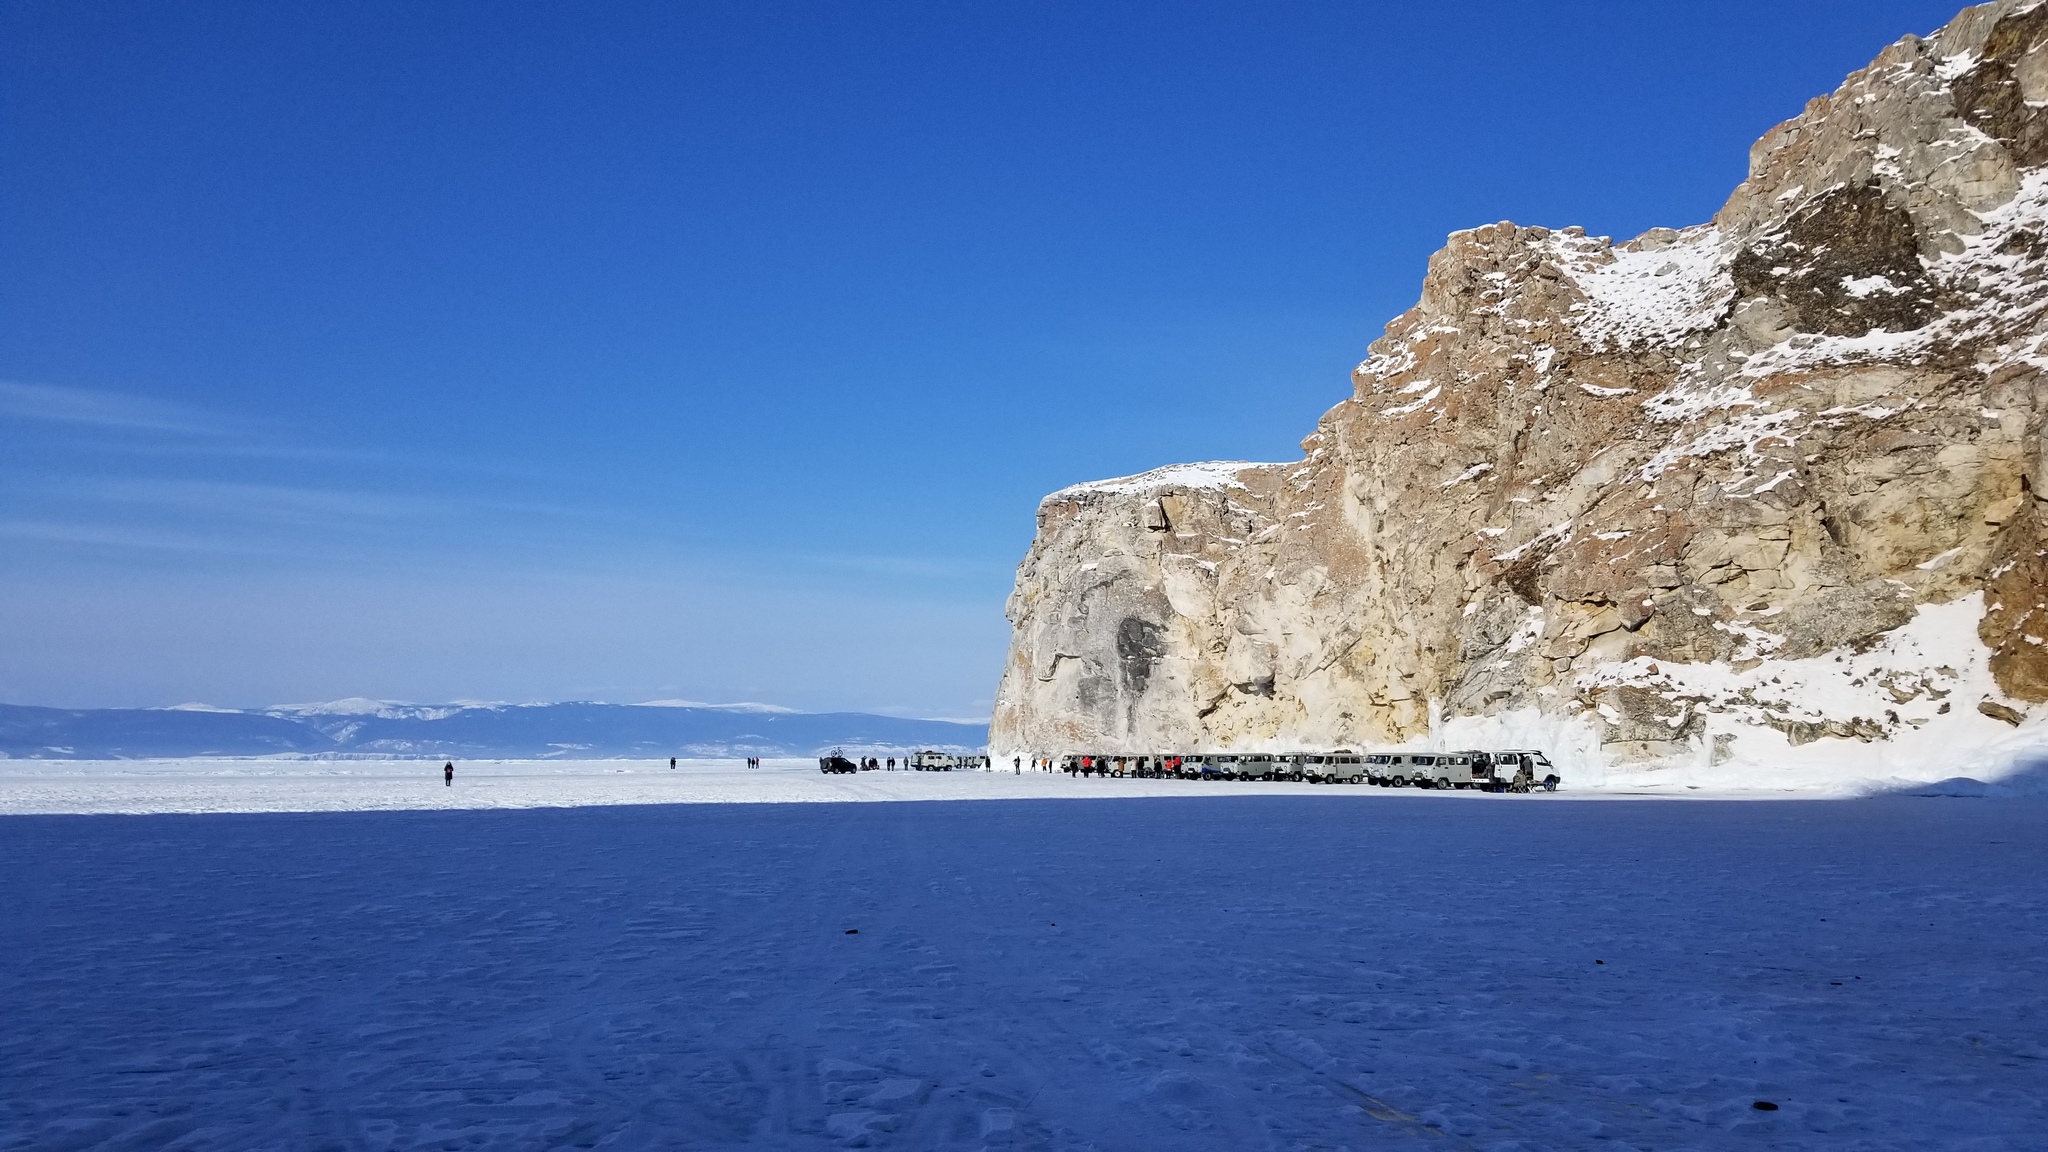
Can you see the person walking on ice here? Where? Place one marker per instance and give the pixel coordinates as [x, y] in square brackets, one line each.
[448, 774]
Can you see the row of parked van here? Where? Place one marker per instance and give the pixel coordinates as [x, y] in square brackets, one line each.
[929, 761]
[1506, 770]
[926, 761]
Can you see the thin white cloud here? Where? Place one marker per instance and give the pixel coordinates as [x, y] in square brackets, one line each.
[109, 536]
[267, 502]
[108, 411]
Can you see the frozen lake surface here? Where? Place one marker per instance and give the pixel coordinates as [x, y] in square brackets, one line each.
[320, 785]
[1209, 971]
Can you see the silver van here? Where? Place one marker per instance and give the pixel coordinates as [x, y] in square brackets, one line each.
[1417, 768]
[1334, 768]
[1458, 770]
[1256, 766]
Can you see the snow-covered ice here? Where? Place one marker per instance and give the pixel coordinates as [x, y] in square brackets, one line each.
[139, 787]
[2018, 767]
[1211, 968]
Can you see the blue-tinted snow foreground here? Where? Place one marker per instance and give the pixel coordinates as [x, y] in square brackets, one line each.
[1257, 972]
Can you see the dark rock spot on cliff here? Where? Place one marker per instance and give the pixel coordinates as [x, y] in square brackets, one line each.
[1521, 579]
[1139, 645]
[1845, 264]
[1989, 95]
[2024, 242]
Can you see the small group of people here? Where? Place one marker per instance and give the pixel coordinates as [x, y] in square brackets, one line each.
[752, 762]
[1115, 766]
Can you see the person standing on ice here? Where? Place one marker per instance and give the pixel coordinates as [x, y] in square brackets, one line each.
[448, 774]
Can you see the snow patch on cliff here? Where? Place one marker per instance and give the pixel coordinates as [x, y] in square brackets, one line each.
[1918, 688]
[1212, 474]
[1653, 292]
[1903, 711]
[1997, 276]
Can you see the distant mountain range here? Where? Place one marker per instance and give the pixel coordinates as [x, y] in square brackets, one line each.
[511, 731]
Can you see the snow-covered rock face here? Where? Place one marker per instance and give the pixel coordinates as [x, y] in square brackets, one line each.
[1621, 485]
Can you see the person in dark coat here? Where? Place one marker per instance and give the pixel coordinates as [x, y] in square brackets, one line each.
[448, 774]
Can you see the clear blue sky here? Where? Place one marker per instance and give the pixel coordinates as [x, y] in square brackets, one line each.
[722, 351]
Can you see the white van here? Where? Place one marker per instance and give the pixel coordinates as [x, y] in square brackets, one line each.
[1519, 770]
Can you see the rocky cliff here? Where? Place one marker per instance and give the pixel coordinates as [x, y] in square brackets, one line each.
[1771, 482]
